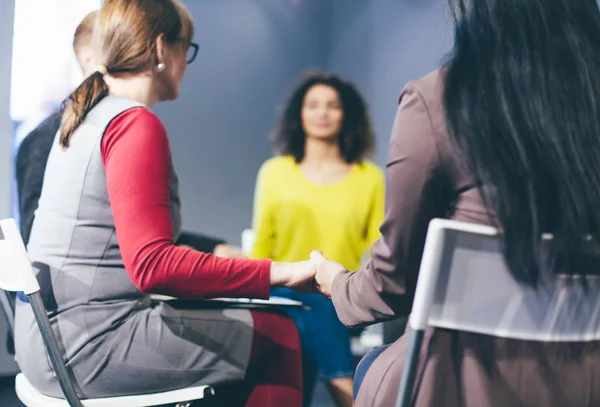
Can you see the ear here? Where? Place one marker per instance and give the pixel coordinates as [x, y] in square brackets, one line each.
[161, 49]
[85, 57]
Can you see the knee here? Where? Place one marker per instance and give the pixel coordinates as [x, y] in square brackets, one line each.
[275, 332]
[286, 332]
[359, 375]
[363, 368]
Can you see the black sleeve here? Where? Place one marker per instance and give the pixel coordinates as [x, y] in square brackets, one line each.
[30, 167]
[202, 243]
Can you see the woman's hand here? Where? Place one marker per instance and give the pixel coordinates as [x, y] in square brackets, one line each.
[326, 272]
[299, 276]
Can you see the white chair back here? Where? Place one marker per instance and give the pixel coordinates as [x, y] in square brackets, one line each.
[248, 238]
[16, 273]
[464, 284]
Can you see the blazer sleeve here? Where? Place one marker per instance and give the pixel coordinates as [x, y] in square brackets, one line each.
[384, 289]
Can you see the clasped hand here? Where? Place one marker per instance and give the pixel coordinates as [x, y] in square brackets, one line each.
[326, 271]
[313, 276]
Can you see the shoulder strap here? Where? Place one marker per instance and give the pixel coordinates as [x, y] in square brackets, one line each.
[109, 108]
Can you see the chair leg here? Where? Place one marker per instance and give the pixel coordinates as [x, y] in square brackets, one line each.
[64, 378]
[409, 373]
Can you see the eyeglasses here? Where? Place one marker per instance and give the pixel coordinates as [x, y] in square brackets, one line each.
[192, 52]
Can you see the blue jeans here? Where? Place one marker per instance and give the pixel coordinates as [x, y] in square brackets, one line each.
[325, 340]
[363, 368]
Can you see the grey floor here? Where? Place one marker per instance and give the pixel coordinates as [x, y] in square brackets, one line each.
[8, 398]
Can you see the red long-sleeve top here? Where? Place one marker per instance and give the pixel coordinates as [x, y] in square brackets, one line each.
[137, 156]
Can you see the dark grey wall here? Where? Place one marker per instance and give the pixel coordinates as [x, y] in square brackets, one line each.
[251, 52]
[381, 45]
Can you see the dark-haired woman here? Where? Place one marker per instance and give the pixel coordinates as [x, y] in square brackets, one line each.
[506, 134]
[320, 192]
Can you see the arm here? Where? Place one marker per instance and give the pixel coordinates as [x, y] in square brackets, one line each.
[385, 287]
[29, 187]
[30, 167]
[262, 221]
[136, 155]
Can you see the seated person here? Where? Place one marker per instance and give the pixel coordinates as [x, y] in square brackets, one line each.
[321, 192]
[506, 135]
[35, 147]
[104, 235]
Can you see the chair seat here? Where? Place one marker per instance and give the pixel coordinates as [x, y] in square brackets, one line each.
[32, 398]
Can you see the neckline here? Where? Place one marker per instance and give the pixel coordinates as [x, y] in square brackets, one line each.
[307, 180]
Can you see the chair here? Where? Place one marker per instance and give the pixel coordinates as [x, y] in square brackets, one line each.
[248, 238]
[460, 264]
[16, 274]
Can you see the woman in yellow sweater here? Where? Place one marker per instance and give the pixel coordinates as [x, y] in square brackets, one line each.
[320, 193]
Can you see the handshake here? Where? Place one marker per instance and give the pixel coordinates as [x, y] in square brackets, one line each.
[311, 276]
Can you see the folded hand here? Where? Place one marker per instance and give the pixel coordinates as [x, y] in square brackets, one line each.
[327, 270]
[299, 276]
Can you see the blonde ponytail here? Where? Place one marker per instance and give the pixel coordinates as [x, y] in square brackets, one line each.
[76, 107]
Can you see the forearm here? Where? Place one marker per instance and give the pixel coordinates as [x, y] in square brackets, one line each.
[359, 300]
[164, 268]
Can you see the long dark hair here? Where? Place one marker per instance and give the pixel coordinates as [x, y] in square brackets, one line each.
[522, 99]
[356, 140]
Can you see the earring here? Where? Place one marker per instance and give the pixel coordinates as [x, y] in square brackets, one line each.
[160, 67]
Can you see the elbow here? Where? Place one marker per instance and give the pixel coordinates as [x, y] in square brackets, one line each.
[351, 322]
[152, 276]
[150, 286]
[146, 270]
[148, 282]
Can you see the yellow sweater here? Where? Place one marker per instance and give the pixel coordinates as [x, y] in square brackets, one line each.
[294, 215]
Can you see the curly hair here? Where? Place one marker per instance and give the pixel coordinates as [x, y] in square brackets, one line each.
[356, 139]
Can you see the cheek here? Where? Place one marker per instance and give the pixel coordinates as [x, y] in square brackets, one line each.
[181, 73]
[178, 67]
[175, 76]
[305, 115]
[338, 118]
